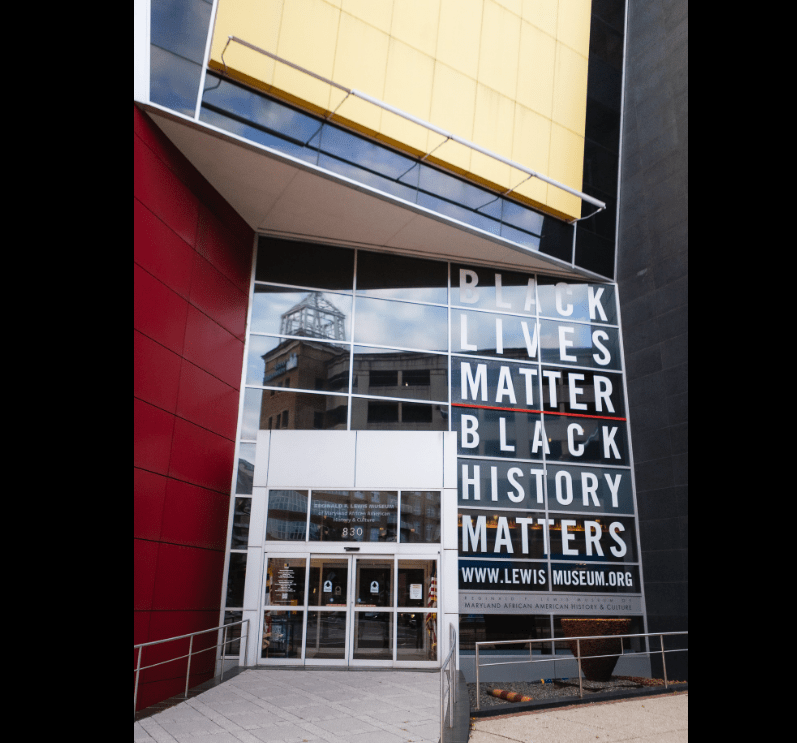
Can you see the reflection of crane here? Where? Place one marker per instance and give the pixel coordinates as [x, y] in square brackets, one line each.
[314, 317]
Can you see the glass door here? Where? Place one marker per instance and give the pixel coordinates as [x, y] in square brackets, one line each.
[328, 601]
[373, 613]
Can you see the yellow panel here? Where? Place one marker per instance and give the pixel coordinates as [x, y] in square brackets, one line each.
[570, 89]
[531, 145]
[473, 67]
[415, 23]
[566, 166]
[572, 24]
[498, 52]
[459, 35]
[361, 63]
[535, 83]
[307, 38]
[377, 13]
[542, 14]
[492, 129]
[453, 105]
[254, 21]
[513, 6]
[408, 86]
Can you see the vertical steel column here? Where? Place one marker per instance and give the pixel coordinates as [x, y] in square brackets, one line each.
[223, 648]
[478, 688]
[663, 663]
[135, 689]
[188, 669]
[578, 656]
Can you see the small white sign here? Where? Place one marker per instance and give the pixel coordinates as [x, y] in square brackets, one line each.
[416, 591]
[328, 586]
[374, 587]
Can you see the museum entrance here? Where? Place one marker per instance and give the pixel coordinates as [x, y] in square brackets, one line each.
[350, 610]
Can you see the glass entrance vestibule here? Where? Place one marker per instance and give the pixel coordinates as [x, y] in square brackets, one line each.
[345, 609]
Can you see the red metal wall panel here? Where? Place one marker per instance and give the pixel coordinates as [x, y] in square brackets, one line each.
[192, 268]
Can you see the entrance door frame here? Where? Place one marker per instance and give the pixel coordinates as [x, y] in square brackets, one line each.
[338, 550]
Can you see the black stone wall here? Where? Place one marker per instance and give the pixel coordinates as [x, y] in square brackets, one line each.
[652, 274]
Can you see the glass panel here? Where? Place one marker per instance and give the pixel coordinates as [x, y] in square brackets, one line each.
[579, 344]
[174, 81]
[600, 538]
[236, 577]
[589, 489]
[417, 583]
[483, 288]
[233, 633]
[582, 392]
[246, 469]
[255, 134]
[303, 264]
[588, 302]
[485, 334]
[287, 515]
[504, 484]
[498, 627]
[590, 578]
[329, 582]
[416, 636]
[181, 27]
[239, 536]
[326, 635]
[399, 277]
[374, 585]
[498, 433]
[492, 534]
[417, 376]
[503, 575]
[367, 177]
[272, 409]
[265, 112]
[420, 518]
[373, 636]
[496, 383]
[586, 440]
[600, 626]
[285, 579]
[309, 314]
[414, 326]
[353, 516]
[282, 634]
[376, 415]
[355, 149]
[306, 364]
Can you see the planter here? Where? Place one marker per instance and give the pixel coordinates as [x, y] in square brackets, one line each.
[597, 669]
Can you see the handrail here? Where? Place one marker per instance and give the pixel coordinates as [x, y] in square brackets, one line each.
[452, 682]
[530, 641]
[191, 652]
[427, 125]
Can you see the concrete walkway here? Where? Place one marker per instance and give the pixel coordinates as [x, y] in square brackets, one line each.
[304, 705]
[663, 719]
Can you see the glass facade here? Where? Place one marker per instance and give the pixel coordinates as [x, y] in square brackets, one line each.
[525, 368]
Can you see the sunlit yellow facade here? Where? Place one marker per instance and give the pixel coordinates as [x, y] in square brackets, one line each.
[507, 75]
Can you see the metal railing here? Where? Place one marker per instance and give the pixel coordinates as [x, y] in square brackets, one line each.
[223, 643]
[447, 136]
[448, 671]
[552, 659]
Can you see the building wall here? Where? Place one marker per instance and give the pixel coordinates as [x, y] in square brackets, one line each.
[192, 268]
[510, 76]
[652, 275]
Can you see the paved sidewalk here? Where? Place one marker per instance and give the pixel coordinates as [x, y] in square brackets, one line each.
[663, 719]
[295, 706]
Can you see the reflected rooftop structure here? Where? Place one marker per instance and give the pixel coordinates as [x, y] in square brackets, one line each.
[314, 317]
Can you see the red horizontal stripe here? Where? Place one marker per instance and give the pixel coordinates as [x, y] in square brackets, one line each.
[546, 412]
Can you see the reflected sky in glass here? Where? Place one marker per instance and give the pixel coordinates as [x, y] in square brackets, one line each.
[413, 326]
